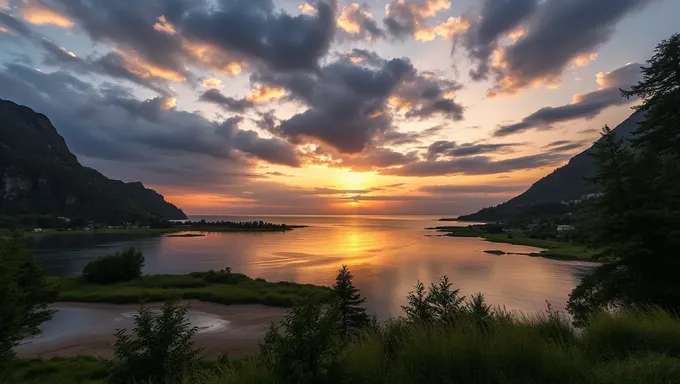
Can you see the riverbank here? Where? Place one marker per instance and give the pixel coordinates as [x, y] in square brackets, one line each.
[551, 249]
[87, 329]
[215, 287]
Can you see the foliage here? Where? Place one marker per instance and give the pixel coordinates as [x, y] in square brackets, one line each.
[161, 350]
[24, 295]
[124, 265]
[352, 317]
[636, 223]
[238, 289]
[304, 347]
[439, 303]
[72, 370]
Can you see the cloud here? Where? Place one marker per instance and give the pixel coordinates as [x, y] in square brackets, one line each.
[496, 19]
[357, 22]
[549, 36]
[212, 83]
[471, 189]
[110, 126]
[227, 103]
[38, 12]
[453, 149]
[394, 137]
[475, 165]
[587, 105]
[406, 18]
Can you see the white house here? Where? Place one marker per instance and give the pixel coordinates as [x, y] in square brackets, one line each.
[565, 228]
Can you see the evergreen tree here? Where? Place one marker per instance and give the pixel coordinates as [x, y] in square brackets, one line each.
[444, 302]
[637, 220]
[24, 295]
[418, 308]
[353, 317]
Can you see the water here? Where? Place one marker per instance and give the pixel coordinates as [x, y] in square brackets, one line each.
[386, 254]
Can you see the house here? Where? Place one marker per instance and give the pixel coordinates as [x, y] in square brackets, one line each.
[565, 228]
[37, 230]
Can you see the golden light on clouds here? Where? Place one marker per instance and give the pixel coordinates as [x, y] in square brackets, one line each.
[446, 30]
[142, 68]
[263, 94]
[399, 104]
[307, 9]
[212, 83]
[584, 59]
[517, 33]
[212, 57]
[67, 52]
[164, 26]
[36, 14]
[168, 103]
[349, 21]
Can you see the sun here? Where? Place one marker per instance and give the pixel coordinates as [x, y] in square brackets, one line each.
[354, 180]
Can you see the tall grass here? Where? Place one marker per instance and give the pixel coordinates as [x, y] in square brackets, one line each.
[624, 348]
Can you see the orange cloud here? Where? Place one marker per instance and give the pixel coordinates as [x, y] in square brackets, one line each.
[446, 30]
[263, 94]
[399, 104]
[168, 103]
[212, 57]
[37, 14]
[307, 9]
[212, 83]
[584, 59]
[350, 18]
[142, 68]
[164, 26]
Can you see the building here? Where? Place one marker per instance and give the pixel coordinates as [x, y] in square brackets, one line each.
[565, 228]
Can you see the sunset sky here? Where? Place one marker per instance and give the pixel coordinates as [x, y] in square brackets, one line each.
[329, 107]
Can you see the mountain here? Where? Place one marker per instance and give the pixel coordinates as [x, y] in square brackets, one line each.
[563, 184]
[40, 176]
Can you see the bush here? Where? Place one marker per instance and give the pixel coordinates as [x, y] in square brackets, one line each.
[161, 350]
[124, 265]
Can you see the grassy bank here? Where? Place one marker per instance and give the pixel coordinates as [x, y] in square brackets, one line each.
[551, 248]
[621, 349]
[216, 287]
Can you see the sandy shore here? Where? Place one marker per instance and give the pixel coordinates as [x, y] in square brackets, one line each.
[245, 326]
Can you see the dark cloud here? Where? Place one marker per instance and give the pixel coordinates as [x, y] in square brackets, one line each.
[255, 29]
[462, 189]
[225, 102]
[453, 149]
[407, 18]
[495, 20]
[394, 137]
[108, 125]
[347, 99]
[476, 165]
[586, 105]
[15, 25]
[551, 36]
[356, 22]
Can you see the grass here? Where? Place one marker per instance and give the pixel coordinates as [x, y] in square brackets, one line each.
[552, 249]
[72, 370]
[621, 348]
[214, 287]
[525, 350]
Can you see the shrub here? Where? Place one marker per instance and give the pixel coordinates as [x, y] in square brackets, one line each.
[24, 294]
[124, 265]
[161, 350]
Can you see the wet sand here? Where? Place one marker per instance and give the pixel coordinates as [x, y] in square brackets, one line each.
[87, 329]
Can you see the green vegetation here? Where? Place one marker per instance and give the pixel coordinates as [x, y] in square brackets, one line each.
[161, 350]
[72, 370]
[635, 225]
[552, 249]
[214, 286]
[24, 295]
[124, 265]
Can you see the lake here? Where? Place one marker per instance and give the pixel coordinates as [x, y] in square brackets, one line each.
[386, 254]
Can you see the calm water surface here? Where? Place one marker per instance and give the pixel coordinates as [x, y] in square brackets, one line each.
[387, 256]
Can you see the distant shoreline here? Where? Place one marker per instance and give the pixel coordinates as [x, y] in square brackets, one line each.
[152, 231]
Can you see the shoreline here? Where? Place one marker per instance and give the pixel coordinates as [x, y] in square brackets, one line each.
[246, 327]
[161, 231]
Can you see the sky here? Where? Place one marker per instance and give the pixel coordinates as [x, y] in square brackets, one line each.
[437, 107]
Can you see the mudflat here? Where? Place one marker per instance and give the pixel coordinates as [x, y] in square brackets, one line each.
[88, 329]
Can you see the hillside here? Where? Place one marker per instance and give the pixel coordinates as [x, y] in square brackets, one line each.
[563, 184]
[40, 176]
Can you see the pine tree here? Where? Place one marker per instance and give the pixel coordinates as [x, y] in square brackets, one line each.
[353, 317]
[418, 308]
[444, 302]
[637, 219]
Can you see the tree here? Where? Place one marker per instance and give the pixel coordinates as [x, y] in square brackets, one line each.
[161, 350]
[124, 265]
[305, 346]
[24, 295]
[445, 303]
[418, 308]
[636, 222]
[352, 316]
